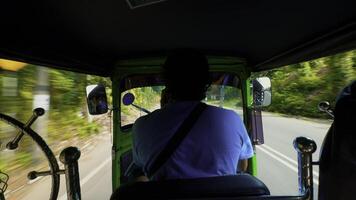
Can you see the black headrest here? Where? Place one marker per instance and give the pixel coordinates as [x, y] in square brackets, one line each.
[212, 187]
[345, 107]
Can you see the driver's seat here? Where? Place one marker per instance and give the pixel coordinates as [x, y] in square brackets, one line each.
[241, 185]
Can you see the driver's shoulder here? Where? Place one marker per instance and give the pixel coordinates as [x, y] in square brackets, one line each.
[222, 111]
[148, 117]
[222, 114]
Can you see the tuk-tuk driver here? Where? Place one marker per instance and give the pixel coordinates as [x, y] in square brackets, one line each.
[218, 141]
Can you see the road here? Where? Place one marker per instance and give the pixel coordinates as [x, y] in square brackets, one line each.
[277, 166]
[94, 170]
[277, 159]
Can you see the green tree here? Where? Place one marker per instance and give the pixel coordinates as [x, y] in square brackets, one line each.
[297, 89]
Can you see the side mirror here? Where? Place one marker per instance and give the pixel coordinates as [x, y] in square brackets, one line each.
[96, 99]
[262, 92]
[324, 106]
[128, 99]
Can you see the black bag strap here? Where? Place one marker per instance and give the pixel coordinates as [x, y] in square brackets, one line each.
[176, 139]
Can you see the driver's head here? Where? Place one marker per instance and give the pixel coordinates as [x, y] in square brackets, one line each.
[187, 74]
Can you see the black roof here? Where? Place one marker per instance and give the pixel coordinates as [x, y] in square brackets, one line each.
[92, 35]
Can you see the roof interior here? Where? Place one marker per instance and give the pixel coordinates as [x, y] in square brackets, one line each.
[92, 36]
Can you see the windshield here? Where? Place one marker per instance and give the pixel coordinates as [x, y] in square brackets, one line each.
[225, 92]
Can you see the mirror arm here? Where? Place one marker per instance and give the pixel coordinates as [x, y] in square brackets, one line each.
[141, 109]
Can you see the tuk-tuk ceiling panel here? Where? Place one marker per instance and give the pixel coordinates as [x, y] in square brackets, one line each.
[91, 36]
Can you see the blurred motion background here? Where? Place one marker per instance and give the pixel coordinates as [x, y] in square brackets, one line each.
[297, 90]
[24, 87]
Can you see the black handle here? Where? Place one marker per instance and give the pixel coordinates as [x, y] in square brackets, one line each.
[69, 157]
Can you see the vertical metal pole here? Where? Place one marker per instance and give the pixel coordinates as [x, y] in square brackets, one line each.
[116, 101]
[305, 147]
[69, 157]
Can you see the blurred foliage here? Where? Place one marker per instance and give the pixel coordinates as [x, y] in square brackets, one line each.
[297, 89]
[149, 98]
[145, 97]
[231, 96]
[66, 120]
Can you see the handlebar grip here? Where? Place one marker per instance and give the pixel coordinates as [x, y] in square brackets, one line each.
[32, 175]
[38, 112]
[11, 145]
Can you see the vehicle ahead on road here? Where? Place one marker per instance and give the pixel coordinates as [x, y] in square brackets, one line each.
[128, 40]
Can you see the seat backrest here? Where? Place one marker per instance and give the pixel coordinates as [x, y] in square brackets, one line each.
[199, 188]
[337, 171]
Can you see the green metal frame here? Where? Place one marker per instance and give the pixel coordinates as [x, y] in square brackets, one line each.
[122, 140]
[248, 99]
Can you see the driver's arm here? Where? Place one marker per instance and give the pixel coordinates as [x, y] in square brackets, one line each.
[246, 150]
[141, 179]
[135, 171]
[243, 164]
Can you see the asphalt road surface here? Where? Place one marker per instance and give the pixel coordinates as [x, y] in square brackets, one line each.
[277, 159]
[94, 171]
[277, 165]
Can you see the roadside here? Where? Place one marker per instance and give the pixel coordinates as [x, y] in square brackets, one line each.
[20, 186]
[239, 111]
[316, 120]
[277, 158]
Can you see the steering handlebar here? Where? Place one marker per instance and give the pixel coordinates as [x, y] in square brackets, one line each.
[25, 129]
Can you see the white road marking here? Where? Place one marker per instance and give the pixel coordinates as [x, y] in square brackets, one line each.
[278, 153]
[315, 173]
[290, 166]
[88, 177]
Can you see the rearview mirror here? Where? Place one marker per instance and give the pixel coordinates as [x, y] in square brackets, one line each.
[96, 99]
[262, 92]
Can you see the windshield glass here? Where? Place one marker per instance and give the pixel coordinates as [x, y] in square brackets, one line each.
[225, 91]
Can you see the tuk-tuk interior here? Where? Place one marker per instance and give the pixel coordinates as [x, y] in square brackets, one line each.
[124, 39]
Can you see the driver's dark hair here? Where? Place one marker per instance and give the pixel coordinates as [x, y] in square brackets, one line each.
[186, 72]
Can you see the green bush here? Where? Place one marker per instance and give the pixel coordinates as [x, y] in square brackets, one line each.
[298, 89]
